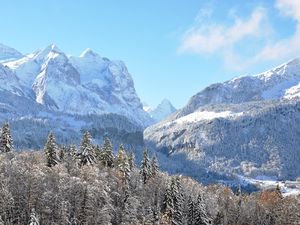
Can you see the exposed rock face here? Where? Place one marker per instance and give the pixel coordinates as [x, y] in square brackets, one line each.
[58, 88]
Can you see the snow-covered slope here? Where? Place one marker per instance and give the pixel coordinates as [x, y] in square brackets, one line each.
[280, 82]
[83, 85]
[162, 111]
[7, 53]
[248, 125]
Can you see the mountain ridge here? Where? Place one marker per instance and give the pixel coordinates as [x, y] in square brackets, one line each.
[225, 125]
[64, 83]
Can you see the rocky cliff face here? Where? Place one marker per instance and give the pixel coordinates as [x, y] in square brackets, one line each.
[57, 87]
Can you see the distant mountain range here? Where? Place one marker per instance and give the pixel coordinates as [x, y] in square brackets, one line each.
[246, 126]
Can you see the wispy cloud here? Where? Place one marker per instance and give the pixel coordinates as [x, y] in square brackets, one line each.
[211, 38]
[208, 38]
[288, 47]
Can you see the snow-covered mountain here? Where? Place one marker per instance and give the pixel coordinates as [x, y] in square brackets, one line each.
[55, 84]
[8, 53]
[248, 125]
[162, 111]
[280, 82]
[83, 85]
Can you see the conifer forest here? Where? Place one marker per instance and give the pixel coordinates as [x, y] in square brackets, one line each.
[90, 184]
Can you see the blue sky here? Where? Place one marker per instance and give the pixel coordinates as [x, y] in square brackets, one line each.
[172, 48]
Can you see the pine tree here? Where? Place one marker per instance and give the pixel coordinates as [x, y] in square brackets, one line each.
[131, 161]
[72, 151]
[6, 139]
[120, 156]
[61, 154]
[107, 157]
[154, 166]
[145, 170]
[178, 202]
[51, 151]
[126, 170]
[190, 212]
[168, 204]
[98, 151]
[201, 217]
[87, 155]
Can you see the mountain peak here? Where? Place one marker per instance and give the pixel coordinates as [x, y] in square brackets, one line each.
[7, 52]
[166, 102]
[52, 48]
[162, 111]
[88, 53]
[51, 51]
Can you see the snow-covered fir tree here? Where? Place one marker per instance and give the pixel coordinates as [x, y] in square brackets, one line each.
[87, 151]
[120, 156]
[72, 151]
[50, 150]
[122, 164]
[201, 216]
[131, 160]
[61, 153]
[98, 151]
[154, 166]
[168, 205]
[107, 157]
[145, 169]
[178, 201]
[6, 139]
[190, 211]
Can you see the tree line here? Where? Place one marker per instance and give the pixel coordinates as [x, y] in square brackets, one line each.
[92, 185]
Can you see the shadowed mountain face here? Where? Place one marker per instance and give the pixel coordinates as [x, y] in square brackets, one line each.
[248, 126]
[51, 86]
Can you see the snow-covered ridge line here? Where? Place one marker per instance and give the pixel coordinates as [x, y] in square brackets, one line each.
[88, 84]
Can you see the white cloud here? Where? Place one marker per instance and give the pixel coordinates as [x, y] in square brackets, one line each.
[289, 8]
[219, 39]
[211, 38]
[287, 47]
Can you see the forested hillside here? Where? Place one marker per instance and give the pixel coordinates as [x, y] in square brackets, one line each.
[91, 185]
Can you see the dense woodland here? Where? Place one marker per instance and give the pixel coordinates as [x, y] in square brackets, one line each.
[92, 185]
